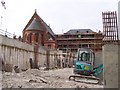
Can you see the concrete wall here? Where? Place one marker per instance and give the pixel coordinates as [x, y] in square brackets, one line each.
[110, 59]
[98, 58]
[98, 61]
[119, 19]
[119, 64]
[41, 57]
[55, 58]
[17, 53]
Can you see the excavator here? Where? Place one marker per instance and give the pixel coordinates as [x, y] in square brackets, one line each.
[84, 67]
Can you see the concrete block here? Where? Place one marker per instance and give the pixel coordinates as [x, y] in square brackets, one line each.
[110, 61]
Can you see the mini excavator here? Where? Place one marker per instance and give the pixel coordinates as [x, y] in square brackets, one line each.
[84, 69]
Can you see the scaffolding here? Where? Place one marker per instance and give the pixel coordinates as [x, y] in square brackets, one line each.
[71, 42]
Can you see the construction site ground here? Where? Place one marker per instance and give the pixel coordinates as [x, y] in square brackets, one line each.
[34, 78]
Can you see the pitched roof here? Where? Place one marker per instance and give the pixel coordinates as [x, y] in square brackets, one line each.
[36, 23]
[75, 31]
[47, 27]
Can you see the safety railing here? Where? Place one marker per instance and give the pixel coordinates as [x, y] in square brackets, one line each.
[7, 34]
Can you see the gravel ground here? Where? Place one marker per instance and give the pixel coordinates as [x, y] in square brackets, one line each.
[34, 78]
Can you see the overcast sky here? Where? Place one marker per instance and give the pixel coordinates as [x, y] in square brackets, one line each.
[62, 15]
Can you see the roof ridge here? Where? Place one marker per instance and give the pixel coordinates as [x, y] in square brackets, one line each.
[74, 31]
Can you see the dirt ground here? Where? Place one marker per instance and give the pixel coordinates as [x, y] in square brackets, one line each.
[34, 78]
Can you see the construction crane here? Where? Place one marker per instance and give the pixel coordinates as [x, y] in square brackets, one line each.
[3, 4]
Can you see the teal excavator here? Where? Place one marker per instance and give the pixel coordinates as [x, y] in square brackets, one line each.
[84, 67]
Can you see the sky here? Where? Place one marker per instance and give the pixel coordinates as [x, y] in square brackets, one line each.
[61, 15]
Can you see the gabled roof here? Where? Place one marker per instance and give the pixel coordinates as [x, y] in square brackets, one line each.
[75, 31]
[36, 23]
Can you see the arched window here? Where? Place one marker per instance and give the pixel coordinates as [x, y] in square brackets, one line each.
[42, 39]
[28, 37]
[49, 46]
[36, 37]
[30, 40]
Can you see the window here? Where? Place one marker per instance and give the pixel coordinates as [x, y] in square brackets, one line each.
[49, 46]
[30, 40]
[42, 39]
[28, 37]
[36, 37]
[85, 56]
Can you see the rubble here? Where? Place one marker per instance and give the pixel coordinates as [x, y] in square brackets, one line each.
[34, 78]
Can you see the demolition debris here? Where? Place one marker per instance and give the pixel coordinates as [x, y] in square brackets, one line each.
[34, 78]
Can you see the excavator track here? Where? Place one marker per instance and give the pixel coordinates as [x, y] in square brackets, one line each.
[84, 79]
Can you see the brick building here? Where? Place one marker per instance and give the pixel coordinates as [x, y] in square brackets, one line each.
[37, 32]
[79, 38]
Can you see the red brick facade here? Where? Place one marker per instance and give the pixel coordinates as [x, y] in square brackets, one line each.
[39, 33]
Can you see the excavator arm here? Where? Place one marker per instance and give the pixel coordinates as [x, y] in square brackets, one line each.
[98, 70]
